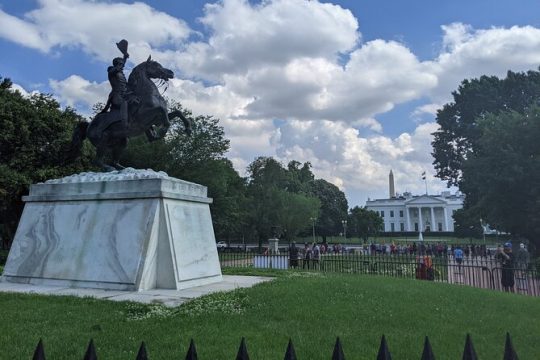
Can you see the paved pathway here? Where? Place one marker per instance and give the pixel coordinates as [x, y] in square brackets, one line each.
[162, 296]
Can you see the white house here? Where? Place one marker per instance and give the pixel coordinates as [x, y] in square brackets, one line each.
[407, 212]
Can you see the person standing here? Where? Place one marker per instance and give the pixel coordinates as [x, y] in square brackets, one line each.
[458, 257]
[507, 263]
[293, 255]
[316, 256]
[307, 256]
[522, 264]
[522, 257]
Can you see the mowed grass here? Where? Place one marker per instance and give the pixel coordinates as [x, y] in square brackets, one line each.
[310, 308]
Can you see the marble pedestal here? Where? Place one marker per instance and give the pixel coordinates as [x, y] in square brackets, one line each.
[127, 230]
[273, 246]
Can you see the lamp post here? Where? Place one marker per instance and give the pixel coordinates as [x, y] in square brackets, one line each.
[483, 231]
[313, 224]
[344, 223]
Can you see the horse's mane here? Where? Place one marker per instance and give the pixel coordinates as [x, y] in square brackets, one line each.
[136, 76]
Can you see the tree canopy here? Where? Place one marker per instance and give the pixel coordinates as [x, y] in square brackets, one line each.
[364, 223]
[34, 135]
[474, 99]
[488, 145]
[501, 178]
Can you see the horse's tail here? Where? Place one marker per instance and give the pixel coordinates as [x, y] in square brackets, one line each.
[79, 134]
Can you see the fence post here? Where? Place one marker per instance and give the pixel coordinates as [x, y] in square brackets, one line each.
[242, 351]
[141, 355]
[290, 353]
[384, 352]
[509, 352]
[427, 353]
[468, 351]
[338, 351]
[90, 351]
[39, 353]
[192, 351]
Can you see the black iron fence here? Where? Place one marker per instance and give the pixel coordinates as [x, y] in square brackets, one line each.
[481, 271]
[383, 353]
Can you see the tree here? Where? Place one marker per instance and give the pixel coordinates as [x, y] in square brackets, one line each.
[459, 132]
[501, 178]
[333, 207]
[364, 223]
[34, 135]
[467, 223]
[278, 197]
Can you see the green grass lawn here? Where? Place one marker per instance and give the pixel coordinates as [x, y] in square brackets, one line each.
[310, 308]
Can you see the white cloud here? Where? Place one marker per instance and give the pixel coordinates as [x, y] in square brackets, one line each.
[469, 53]
[76, 91]
[93, 26]
[244, 36]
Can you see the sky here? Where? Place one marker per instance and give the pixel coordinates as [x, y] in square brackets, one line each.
[351, 86]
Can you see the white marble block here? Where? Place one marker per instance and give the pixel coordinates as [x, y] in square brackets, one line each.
[123, 230]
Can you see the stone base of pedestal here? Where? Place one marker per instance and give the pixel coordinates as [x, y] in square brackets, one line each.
[273, 246]
[127, 230]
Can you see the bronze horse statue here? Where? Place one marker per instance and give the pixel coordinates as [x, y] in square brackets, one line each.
[147, 113]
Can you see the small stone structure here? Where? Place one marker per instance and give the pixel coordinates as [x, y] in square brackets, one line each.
[122, 230]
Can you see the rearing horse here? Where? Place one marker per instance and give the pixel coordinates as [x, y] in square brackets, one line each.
[147, 109]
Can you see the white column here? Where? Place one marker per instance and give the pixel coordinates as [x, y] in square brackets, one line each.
[420, 225]
[433, 219]
[407, 218]
[445, 219]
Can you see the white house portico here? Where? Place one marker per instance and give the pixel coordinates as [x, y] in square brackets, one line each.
[405, 212]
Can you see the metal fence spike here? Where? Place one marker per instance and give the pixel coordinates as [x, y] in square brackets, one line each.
[192, 351]
[468, 352]
[141, 355]
[242, 351]
[384, 352]
[427, 354]
[290, 354]
[509, 352]
[338, 351]
[90, 351]
[39, 353]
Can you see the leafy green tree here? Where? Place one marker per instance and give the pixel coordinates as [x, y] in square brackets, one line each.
[334, 207]
[34, 136]
[265, 176]
[364, 223]
[467, 223]
[278, 197]
[501, 178]
[459, 132]
[294, 211]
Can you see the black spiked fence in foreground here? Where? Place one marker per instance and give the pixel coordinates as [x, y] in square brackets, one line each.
[338, 354]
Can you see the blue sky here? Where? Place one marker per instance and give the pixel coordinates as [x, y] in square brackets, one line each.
[351, 86]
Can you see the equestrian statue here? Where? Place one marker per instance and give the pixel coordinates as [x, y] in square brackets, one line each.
[134, 107]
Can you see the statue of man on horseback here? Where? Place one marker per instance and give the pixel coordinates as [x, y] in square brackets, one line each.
[134, 107]
[117, 100]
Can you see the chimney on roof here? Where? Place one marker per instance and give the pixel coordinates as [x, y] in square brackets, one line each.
[391, 185]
